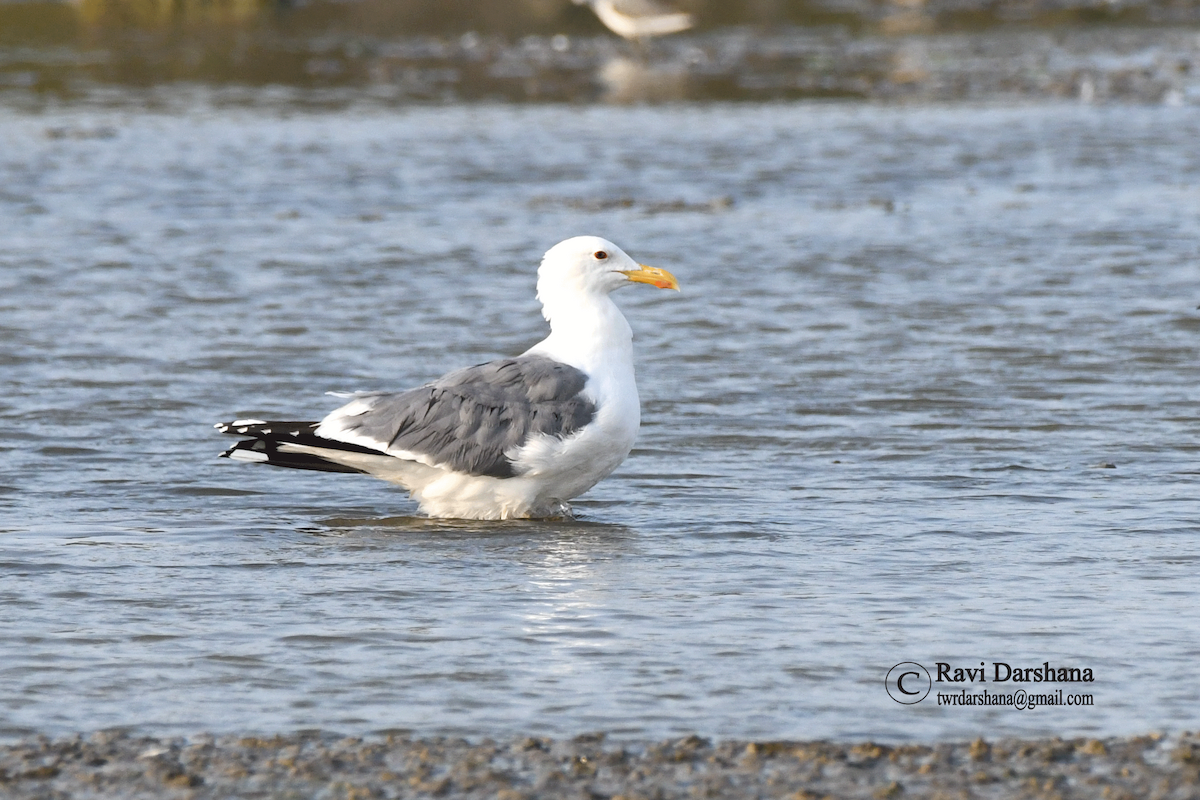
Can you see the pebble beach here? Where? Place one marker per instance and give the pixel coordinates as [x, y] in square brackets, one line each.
[114, 764]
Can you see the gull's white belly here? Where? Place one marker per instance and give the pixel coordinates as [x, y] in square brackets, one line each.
[550, 471]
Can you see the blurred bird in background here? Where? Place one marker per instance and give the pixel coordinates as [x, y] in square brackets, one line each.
[639, 19]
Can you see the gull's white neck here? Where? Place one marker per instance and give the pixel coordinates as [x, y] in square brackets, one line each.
[587, 331]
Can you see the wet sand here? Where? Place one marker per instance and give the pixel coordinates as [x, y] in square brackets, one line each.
[120, 765]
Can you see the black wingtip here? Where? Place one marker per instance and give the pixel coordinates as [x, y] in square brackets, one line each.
[265, 447]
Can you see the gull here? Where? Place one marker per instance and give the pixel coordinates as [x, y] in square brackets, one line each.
[639, 19]
[512, 438]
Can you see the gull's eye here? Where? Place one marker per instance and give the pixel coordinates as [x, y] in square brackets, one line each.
[600, 255]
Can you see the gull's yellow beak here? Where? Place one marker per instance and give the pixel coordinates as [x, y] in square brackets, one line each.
[651, 275]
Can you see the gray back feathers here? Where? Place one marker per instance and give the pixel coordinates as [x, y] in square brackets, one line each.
[470, 418]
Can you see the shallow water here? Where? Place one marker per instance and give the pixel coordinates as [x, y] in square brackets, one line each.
[929, 394]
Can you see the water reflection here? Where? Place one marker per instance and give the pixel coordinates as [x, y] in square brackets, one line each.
[553, 590]
[535, 529]
[630, 80]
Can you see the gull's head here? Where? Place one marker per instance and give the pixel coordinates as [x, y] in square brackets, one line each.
[591, 265]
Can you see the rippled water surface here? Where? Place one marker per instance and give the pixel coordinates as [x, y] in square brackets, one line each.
[929, 394]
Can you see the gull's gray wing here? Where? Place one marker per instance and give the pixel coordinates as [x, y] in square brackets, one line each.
[468, 420]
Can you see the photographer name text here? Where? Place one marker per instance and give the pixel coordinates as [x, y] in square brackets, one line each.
[1003, 672]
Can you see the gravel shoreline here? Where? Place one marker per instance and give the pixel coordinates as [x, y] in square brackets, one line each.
[117, 764]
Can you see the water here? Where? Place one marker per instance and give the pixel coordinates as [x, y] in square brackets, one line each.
[878, 421]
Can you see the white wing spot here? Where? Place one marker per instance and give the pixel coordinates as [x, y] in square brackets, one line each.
[248, 455]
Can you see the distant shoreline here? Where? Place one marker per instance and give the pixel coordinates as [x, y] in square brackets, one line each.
[124, 765]
[1091, 64]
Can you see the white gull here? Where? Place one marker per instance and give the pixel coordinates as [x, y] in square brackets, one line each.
[512, 438]
[639, 19]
